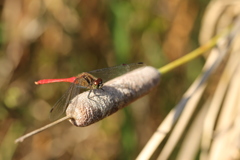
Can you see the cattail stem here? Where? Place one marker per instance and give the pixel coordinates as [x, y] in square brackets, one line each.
[20, 139]
[197, 52]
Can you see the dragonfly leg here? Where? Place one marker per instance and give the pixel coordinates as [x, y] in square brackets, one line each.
[89, 93]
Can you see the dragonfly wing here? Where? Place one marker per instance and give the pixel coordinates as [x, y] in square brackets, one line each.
[61, 105]
[109, 73]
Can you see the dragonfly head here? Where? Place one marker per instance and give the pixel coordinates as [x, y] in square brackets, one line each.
[97, 83]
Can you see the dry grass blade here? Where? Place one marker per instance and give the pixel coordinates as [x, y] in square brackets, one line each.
[223, 115]
[182, 123]
[190, 144]
[190, 99]
[187, 106]
[218, 98]
[196, 89]
[224, 139]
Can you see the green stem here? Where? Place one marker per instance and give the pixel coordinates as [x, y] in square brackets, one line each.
[197, 52]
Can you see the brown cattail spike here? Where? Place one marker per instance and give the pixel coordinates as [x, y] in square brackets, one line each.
[86, 109]
[114, 95]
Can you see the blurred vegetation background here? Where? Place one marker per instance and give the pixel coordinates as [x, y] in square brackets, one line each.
[44, 39]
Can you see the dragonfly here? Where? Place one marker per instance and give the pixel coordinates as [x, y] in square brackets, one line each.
[87, 80]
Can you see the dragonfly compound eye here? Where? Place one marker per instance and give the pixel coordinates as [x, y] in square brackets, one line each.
[98, 83]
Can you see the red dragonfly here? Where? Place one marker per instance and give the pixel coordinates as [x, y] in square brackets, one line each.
[86, 80]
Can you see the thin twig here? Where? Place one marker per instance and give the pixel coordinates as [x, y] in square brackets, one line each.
[20, 139]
